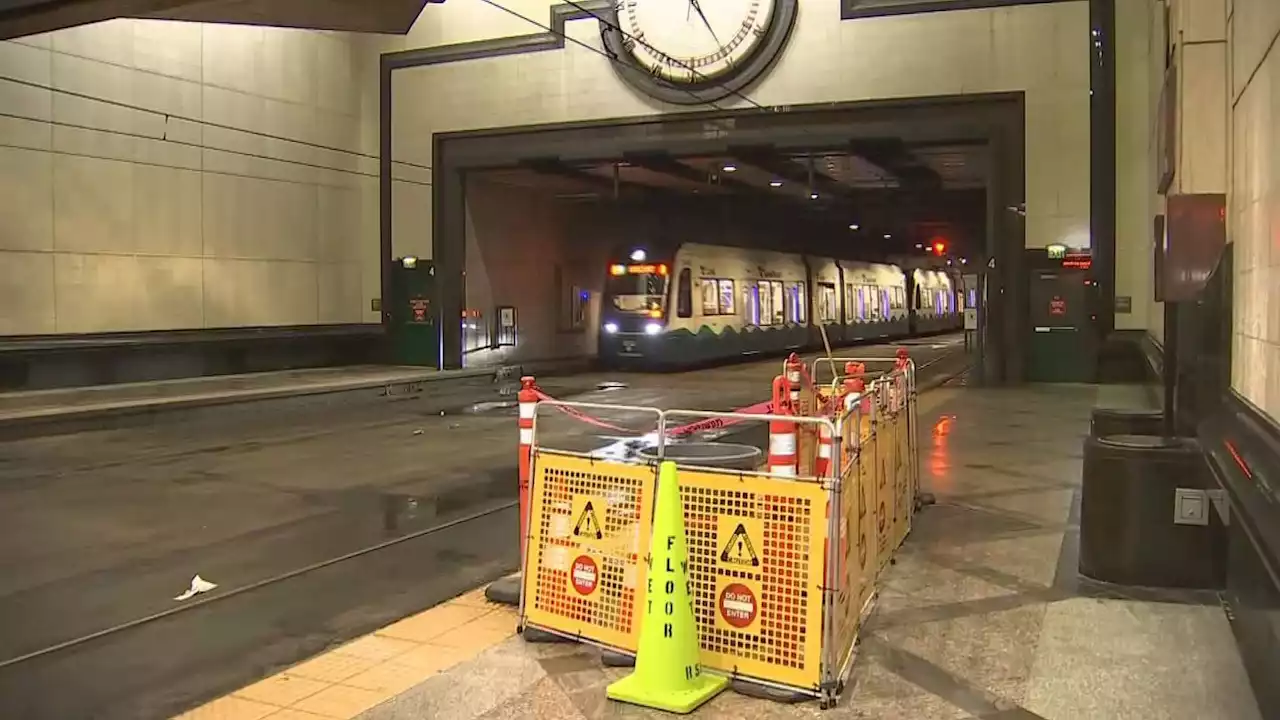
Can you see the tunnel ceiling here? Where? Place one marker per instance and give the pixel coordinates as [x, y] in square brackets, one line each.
[909, 194]
[30, 17]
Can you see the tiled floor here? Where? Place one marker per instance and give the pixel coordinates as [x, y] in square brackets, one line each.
[981, 617]
[361, 674]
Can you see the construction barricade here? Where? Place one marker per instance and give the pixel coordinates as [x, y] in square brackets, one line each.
[782, 560]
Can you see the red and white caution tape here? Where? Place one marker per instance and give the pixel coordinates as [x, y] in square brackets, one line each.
[579, 415]
[763, 408]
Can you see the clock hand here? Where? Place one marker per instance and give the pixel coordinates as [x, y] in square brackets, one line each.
[694, 4]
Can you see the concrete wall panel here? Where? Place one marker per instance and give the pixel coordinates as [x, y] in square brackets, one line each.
[184, 176]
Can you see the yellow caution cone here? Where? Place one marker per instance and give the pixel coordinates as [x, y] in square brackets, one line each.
[667, 675]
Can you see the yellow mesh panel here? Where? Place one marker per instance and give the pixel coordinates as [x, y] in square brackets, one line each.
[776, 573]
[589, 528]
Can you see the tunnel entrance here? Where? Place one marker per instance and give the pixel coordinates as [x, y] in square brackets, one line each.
[889, 180]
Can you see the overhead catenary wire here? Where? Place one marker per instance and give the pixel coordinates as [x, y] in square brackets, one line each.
[184, 143]
[328, 148]
[207, 123]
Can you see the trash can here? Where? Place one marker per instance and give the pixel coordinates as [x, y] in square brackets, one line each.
[1146, 515]
[732, 456]
[1125, 421]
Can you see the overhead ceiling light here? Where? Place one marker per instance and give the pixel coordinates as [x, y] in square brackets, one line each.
[730, 168]
[919, 246]
[775, 183]
[853, 226]
[813, 196]
[887, 236]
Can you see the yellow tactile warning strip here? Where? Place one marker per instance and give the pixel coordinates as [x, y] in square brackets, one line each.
[350, 679]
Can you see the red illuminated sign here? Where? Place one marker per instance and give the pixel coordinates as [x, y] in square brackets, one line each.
[1077, 262]
[645, 269]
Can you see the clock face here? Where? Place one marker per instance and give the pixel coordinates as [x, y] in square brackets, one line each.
[688, 42]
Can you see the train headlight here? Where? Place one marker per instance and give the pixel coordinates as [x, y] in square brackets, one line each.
[652, 329]
[611, 327]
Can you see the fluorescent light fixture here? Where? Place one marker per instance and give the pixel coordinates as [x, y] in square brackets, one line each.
[775, 183]
[853, 226]
[638, 255]
[730, 168]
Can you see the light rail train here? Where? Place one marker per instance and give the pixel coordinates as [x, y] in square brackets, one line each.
[697, 303]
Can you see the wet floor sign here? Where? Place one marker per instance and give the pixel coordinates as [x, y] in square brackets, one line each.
[668, 675]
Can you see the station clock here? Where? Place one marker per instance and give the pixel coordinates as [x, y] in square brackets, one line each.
[692, 52]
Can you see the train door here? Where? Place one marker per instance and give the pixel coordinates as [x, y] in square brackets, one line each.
[913, 304]
[811, 282]
[845, 334]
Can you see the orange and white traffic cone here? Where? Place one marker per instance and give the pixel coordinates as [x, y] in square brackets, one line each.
[782, 433]
[822, 467]
[528, 401]
[795, 369]
[507, 590]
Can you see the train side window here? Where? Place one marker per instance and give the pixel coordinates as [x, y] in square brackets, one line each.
[726, 298]
[764, 303]
[795, 303]
[710, 297]
[850, 304]
[684, 294]
[778, 303]
[827, 303]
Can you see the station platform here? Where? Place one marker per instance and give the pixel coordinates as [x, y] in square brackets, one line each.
[36, 411]
[983, 615]
[102, 400]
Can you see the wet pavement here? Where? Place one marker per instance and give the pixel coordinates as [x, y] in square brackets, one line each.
[103, 528]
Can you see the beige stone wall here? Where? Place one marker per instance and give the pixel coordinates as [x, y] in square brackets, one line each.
[1042, 50]
[1253, 74]
[147, 181]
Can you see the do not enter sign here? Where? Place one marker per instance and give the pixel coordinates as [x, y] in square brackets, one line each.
[738, 605]
[584, 575]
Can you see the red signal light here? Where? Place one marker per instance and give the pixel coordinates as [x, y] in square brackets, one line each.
[939, 248]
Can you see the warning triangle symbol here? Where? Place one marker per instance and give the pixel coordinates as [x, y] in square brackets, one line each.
[739, 550]
[588, 524]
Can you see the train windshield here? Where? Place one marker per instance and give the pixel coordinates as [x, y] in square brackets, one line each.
[638, 292]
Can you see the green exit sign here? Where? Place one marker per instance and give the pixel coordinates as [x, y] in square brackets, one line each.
[1056, 251]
